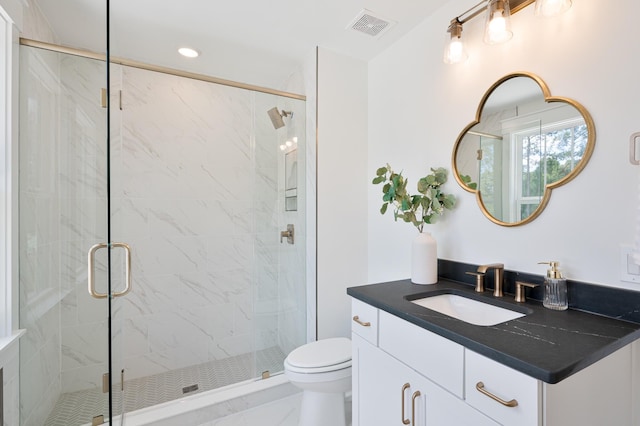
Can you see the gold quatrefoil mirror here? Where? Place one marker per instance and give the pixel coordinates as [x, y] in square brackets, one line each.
[522, 144]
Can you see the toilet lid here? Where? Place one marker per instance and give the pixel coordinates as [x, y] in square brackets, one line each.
[322, 353]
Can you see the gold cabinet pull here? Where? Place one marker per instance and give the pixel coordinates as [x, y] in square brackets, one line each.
[364, 324]
[482, 390]
[404, 388]
[415, 395]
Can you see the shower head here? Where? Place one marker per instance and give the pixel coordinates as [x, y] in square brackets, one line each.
[276, 117]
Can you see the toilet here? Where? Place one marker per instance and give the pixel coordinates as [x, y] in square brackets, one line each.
[322, 369]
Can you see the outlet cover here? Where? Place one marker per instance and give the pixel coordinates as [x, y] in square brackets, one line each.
[629, 270]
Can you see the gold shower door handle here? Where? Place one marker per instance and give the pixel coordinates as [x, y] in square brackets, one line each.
[91, 270]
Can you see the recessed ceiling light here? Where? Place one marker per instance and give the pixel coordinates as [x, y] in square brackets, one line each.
[188, 52]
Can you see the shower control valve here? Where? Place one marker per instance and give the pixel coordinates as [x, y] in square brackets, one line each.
[288, 234]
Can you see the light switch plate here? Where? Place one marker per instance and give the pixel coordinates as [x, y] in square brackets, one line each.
[629, 270]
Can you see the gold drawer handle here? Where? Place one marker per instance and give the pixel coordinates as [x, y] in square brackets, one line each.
[413, 407]
[364, 324]
[482, 390]
[404, 388]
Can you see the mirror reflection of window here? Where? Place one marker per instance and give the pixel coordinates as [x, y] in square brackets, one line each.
[523, 143]
[547, 154]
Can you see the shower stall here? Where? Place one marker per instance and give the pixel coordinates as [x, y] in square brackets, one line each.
[192, 213]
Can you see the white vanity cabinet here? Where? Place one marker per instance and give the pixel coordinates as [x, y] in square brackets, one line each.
[406, 375]
[388, 392]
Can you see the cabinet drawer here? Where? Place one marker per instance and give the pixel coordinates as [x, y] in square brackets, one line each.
[365, 321]
[506, 384]
[438, 359]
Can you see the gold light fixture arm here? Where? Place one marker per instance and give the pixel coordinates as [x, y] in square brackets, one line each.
[514, 6]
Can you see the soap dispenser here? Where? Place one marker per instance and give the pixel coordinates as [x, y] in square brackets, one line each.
[555, 288]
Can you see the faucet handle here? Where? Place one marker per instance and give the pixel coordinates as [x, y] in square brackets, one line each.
[479, 280]
[520, 285]
[288, 234]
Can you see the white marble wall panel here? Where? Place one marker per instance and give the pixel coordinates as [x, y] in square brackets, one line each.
[35, 25]
[87, 377]
[187, 207]
[151, 294]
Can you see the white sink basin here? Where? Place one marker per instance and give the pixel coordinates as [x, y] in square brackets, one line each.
[468, 310]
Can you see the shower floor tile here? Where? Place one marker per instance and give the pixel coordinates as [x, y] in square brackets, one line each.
[78, 408]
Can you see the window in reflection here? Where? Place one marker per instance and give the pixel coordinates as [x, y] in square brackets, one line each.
[547, 155]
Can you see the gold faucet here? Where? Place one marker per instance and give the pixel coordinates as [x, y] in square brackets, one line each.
[498, 275]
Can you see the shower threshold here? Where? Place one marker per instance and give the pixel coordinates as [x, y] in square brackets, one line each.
[78, 408]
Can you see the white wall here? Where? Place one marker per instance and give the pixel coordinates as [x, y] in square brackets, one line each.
[342, 199]
[418, 105]
[10, 21]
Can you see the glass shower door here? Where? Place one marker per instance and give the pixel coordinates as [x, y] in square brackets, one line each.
[279, 296]
[65, 355]
[183, 197]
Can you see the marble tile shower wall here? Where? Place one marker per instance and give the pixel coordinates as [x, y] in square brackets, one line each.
[196, 199]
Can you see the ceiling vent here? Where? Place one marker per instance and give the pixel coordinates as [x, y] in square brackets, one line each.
[366, 22]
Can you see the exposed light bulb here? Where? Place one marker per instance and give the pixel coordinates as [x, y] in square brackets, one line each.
[498, 30]
[454, 52]
[283, 147]
[498, 25]
[295, 139]
[288, 143]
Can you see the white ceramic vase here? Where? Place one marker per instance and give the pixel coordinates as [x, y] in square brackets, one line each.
[424, 259]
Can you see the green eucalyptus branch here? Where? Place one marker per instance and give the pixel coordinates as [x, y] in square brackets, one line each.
[466, 179]
[417, 209]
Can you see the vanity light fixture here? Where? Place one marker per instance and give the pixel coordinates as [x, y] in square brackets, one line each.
[497, 22]
[454, 50]
[188, 52]
[497, 27]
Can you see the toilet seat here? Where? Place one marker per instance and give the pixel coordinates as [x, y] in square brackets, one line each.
[316, 370]
[321, 356]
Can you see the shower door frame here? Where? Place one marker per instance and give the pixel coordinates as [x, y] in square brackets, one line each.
[115, 378]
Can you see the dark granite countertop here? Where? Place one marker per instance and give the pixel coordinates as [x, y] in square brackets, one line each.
[545, 344]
